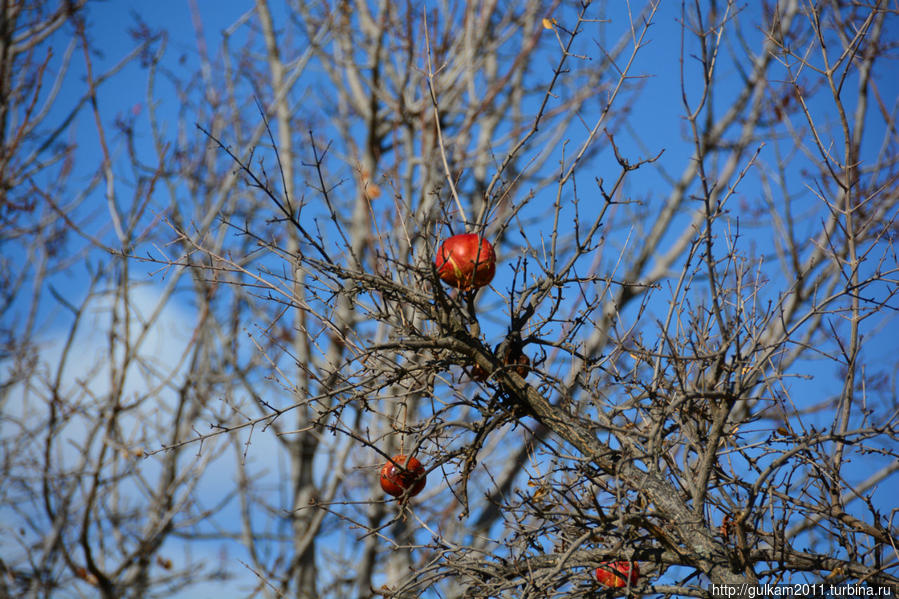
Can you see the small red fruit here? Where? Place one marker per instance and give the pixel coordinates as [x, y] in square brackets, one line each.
[466, 261]
[397, 475]
[618, 574]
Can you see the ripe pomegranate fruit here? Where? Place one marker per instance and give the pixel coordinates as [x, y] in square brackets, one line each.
[617, 574]
[401, 473]
[466, 261]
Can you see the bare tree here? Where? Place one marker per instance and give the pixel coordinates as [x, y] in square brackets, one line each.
[679, 362]
[93, 372]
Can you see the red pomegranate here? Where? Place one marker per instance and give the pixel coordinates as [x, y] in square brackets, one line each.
[398, 474]
[617, 574]
[466, 261]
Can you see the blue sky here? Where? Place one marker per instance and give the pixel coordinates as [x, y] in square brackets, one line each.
[658, 125]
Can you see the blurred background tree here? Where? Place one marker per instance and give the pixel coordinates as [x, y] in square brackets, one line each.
[222, 314]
